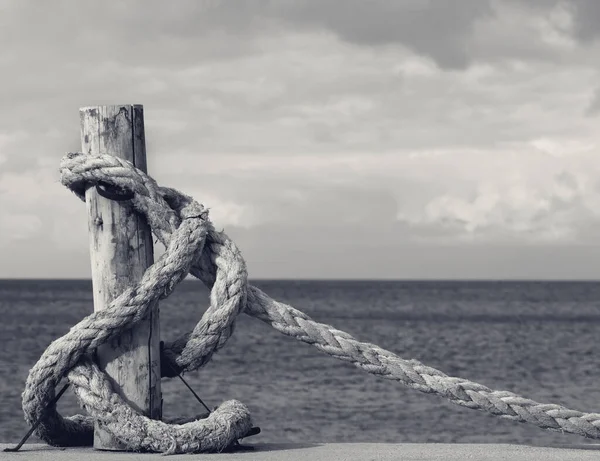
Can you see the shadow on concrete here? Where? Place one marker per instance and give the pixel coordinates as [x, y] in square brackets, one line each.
[571, 446]
[281, 446]
[40, 447]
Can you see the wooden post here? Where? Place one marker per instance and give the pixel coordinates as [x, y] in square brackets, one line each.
[120, 250]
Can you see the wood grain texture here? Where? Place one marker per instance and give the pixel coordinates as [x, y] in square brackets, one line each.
[121, 249]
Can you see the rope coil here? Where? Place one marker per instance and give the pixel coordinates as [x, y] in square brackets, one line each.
[193, 246]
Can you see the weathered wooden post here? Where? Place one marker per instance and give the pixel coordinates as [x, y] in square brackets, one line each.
[121, 250]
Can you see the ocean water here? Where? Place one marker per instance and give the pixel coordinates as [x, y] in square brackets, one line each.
[538, 339]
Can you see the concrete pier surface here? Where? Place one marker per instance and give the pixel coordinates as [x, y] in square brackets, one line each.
[330, 452]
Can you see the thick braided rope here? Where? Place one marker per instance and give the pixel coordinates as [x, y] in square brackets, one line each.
[381, 362]
[376, 360]
[414, 374]
[69, 355]
[195, 348]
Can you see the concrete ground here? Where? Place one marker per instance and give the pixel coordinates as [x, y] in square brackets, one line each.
[330, 452]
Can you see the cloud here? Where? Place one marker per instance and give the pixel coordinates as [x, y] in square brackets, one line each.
[365, 128]
[15, 227]
[533, 215]
[587, 15]
[594, 107]
[9, 141]
[542, 191]
[456, 35]
[435, 29]
[35, 200]
[547, 195]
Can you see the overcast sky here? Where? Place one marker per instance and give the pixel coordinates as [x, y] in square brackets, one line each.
[329, 138]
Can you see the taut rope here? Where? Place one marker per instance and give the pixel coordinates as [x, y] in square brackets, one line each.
[193, 246]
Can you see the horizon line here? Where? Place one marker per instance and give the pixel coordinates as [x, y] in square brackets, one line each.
[345, 279]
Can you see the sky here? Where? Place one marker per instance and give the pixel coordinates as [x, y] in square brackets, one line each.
[397, 139]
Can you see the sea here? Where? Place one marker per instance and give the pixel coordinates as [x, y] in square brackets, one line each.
[537, 339]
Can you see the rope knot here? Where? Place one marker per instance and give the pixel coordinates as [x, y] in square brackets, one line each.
[182, 225]
[194, 247]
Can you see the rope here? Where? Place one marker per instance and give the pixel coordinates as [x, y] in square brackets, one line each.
[193, 246]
